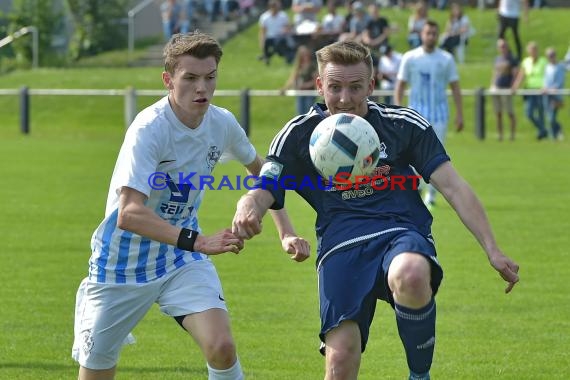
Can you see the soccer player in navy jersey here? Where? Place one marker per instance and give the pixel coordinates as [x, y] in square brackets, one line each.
[373, 244]
[149, 247]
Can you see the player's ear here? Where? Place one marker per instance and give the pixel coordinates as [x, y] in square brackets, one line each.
[371, 86]
[167, 80]
[319, 84]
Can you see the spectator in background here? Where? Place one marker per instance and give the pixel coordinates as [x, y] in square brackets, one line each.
[429, 70]
[303, 77]
[357, 24]
[504, 72]
[388, 70]
[274, 33]
[349, 14]
[457, 30]
[567, 59]
[332, 23]
[509, 12]
[331, 26]
[553, 80]
[187, 16]
[172, 18]
[416, 23]
[531, 76]
[375, 34]
[305, 10]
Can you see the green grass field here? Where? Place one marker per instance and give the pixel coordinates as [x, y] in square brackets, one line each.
[54, 185]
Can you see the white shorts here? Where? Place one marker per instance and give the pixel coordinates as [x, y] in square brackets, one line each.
[105, 314]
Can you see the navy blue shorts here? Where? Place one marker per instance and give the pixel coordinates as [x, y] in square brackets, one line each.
[352, 280]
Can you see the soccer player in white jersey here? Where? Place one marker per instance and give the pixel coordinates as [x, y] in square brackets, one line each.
[374, 242]
[149, 247]
[428, 70]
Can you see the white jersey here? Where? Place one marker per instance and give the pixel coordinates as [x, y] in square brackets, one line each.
[510, 8]
[428, 75]
[157, 142]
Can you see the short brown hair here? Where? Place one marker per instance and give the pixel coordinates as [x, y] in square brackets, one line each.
[196, 44]
[344, 53]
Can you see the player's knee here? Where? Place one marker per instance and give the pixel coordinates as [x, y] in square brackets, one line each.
[221, 352]
[342, 357]
[343, 345]
[409, 275]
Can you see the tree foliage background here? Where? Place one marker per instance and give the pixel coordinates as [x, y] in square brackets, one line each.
[68, 29]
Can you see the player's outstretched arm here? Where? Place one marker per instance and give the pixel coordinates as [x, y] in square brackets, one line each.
[135, 217]
[462, 198]
[296, 246]
[249, 213]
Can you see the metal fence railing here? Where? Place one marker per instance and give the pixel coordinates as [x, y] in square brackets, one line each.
[131, 94]
[22, 32]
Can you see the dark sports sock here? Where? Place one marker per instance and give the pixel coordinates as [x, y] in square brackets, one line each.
[417, 331]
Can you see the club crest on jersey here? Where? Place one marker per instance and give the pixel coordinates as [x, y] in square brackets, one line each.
[213, 156]
[383, 153]
[87, 338]
[271, 170]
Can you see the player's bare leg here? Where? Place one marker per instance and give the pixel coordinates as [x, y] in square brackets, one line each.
[99, 374]
[211, 330]
[343, 352]
[500, 125]
[409, 279]
[513, 124]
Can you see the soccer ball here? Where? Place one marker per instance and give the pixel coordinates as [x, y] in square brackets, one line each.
[344, 146]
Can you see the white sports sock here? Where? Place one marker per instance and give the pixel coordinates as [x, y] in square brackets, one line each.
[232, 373]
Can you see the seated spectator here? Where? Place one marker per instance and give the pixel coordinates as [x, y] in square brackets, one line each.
[332, 23]
[331, 26]
[349, 13]
[172, 17]
[457, 30]
[210, 8]
[416, 23]
[245, 6]
[376, 33]
[358, 23]
[303, 77]
[305, 12]
[274, 33]
[388, 70]
[186, 16]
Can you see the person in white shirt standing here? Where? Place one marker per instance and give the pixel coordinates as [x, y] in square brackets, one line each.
[149, 247]
[509, 13]
[428, 70]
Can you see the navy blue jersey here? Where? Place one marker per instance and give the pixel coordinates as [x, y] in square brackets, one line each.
[351, 216]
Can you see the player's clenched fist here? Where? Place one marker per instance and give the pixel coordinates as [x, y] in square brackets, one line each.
[297, 247]
[247, 220]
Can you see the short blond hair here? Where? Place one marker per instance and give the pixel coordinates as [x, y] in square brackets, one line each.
[344, 53]
[195, 44]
